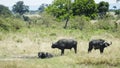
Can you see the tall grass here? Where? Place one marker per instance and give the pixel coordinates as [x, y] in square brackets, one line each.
[11, 24]
[18, 49]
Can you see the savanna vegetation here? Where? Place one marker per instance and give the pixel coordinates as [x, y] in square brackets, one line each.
[23, 35]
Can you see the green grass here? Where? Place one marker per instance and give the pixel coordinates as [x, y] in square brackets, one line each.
[14, 54]
[19, 47]
[56, 62]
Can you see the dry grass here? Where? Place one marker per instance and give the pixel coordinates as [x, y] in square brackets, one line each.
[23, 54]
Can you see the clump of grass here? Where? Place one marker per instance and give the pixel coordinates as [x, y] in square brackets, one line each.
[98, 60]
[53, 34]
[19, 41]
[11, 24]
[79, 22]
[1, 38]
[105, 24]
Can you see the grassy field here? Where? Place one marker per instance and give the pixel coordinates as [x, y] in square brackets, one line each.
[19, 49]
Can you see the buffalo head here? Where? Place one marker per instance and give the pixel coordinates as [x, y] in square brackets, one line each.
[54, 45]
[107, 44]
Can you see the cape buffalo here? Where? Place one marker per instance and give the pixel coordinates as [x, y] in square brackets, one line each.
[65, 44]
[98, 44]
[43, 55]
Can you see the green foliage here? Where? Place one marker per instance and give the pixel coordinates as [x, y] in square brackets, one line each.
[42, 20]
[4, 11]
[12, 23]
[60, 9]
[46, 19]
[27, 42]
[80, 22]
[42, 7]
[103, 7]
[2, 36]
[114, 7]
[116, 33]
[85, 7]
[26, 18]
[4, 25]
[105, 24]
[20, 8]
[63, 8]
[117, 12]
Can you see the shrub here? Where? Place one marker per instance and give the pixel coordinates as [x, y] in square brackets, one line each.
[105, 24]
[4, 25]
[11, 23]
[4, 11]
[43, 19]
[19, 41]
[79, 22]
[117, 12]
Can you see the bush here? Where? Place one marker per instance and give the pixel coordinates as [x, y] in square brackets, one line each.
[43, 19]
[117, 12]
[4, 11]
[79, 22]
[11, 24]
[105, 24]
[4, 25]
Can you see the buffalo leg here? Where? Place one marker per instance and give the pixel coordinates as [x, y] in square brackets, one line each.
[90, 48]
[62, 51]
[75, 48]
[101, 50]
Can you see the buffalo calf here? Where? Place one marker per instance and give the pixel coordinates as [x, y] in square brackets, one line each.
[43, 55]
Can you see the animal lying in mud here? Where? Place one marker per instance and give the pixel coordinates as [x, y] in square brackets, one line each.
[98, 44]
[63, 44]
[43, 55]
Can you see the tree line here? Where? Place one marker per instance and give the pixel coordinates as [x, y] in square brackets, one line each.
[64, 9]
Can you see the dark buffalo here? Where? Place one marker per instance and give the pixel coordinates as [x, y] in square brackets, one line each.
[98, 44]
[43, 55]
[65, 44]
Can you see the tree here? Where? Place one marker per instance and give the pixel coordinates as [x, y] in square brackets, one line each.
[58, 9]
[114, 7]
[5, 11]
[20, 8]
[103, 7]
[117, 1]
[117, 12]
[61, 9]
[64, 9]
[85, 7]
[42, 7]
[68, 8]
